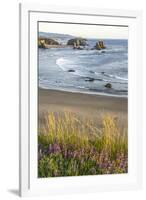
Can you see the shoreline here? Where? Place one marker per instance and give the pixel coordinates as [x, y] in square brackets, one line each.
[78, 91]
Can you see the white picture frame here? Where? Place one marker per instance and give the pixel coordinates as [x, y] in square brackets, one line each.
[29, 184]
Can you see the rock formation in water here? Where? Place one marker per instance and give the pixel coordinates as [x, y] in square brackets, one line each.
[71, 70]
[100, 45]
[108, 85]
[44, 42]
[76, 42]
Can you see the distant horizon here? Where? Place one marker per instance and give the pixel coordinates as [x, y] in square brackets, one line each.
[84, 37]
[85, 31]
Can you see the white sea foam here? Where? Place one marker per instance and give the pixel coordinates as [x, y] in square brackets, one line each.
[66, 65]
[61, 62]
[115, 76]
[121, 78]
[114, 50]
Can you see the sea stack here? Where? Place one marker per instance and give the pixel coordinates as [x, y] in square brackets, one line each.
[45, 42]
[100, 45]
[75, 42]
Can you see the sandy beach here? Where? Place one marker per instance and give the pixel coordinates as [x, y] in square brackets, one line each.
[86, 105]
[83, 108]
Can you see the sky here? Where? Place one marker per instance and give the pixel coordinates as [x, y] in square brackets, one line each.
[86, 31]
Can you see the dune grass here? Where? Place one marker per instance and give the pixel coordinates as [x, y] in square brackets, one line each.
[70, 145]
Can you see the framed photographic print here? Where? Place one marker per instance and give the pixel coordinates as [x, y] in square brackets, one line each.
[80, 100]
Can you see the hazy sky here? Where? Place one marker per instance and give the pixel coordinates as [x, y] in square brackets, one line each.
[87, 31]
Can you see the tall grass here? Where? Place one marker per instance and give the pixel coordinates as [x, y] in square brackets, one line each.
[70, 145]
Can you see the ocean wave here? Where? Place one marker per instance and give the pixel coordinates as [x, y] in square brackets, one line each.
[67, 65]
[61, 62]
[115, 76]
[115, 50]
[111, 76]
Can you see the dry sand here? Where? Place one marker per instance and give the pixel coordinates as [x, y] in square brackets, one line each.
[86, 105]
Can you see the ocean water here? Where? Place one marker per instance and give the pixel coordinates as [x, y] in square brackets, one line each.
[70, 70]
